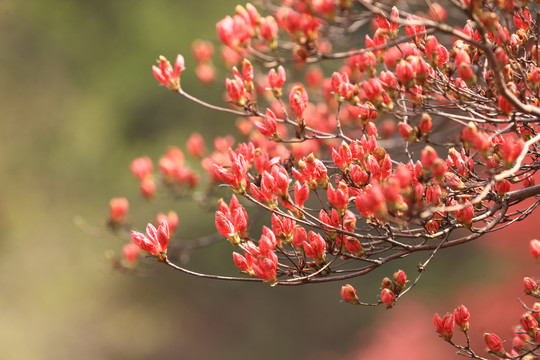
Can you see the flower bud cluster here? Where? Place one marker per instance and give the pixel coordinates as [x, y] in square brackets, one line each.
[156, 240]
[391, 289]
[445, 326]
[319, 159]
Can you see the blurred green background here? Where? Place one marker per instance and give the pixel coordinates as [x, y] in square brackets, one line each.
[79, 102]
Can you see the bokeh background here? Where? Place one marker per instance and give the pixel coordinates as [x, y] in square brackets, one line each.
[78, 102]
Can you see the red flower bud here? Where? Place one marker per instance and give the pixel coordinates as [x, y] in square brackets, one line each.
[529, 323]
[438, 12]
[534, 249]
[163, 235]
[503, 186]
[431, 49]
[202, 50]
[150, 244]
[239, 219]
[265, 267]
[439, 168]
[267, 242]
[269, 30]
[301, 194]
[314, 77]
[387, 297]
[206, 73]
[224, 226]
[482, 142]
[195, 145]
[172, 220]
[276, 80]
[432, 226]
[142, 167]
[283, 227]
[340, 197]
[406, 131]
[386, 283]
[166, 74]
[118, 208]
[147, 187]
[494, 343]
[429, 155]
[466, 73]
[358, 175]
[235, 31]
[316, 248]
[243, 263]
[504, 105]
[344, 157]
[461, 316]
[354, 246]
[511, 150]
[433, 194]
[373, 90]
[470, 132]
[517, 342]
[348, 294]
[247, 70]
[235, 89]
[130, 253]
[444, 326]
[365, 61]
[413, 30]
[269, 127]
[405, 73]
[299, 236]
[425, 123]
[337, 80]
[522, 19]
[465, 215]
[388, 80]
[400, 278]
[298, 99]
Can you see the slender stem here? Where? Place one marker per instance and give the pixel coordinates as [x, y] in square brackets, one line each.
[210, 106]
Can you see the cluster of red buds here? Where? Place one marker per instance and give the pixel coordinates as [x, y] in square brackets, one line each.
[260, 261]
[174, 173]
[276, 80]
[406, 140]
[239, 88]
[445, 326]
[391, 289]
[231, 220]
[434, 193]
[156, 240]
[168, 75]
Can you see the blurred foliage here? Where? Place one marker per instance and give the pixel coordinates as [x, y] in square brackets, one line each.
[78, 104]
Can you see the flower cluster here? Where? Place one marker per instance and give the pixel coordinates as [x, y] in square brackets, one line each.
[384, 151]
[445, 326]
[324, 163]
[173, 172]
[156, 240]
